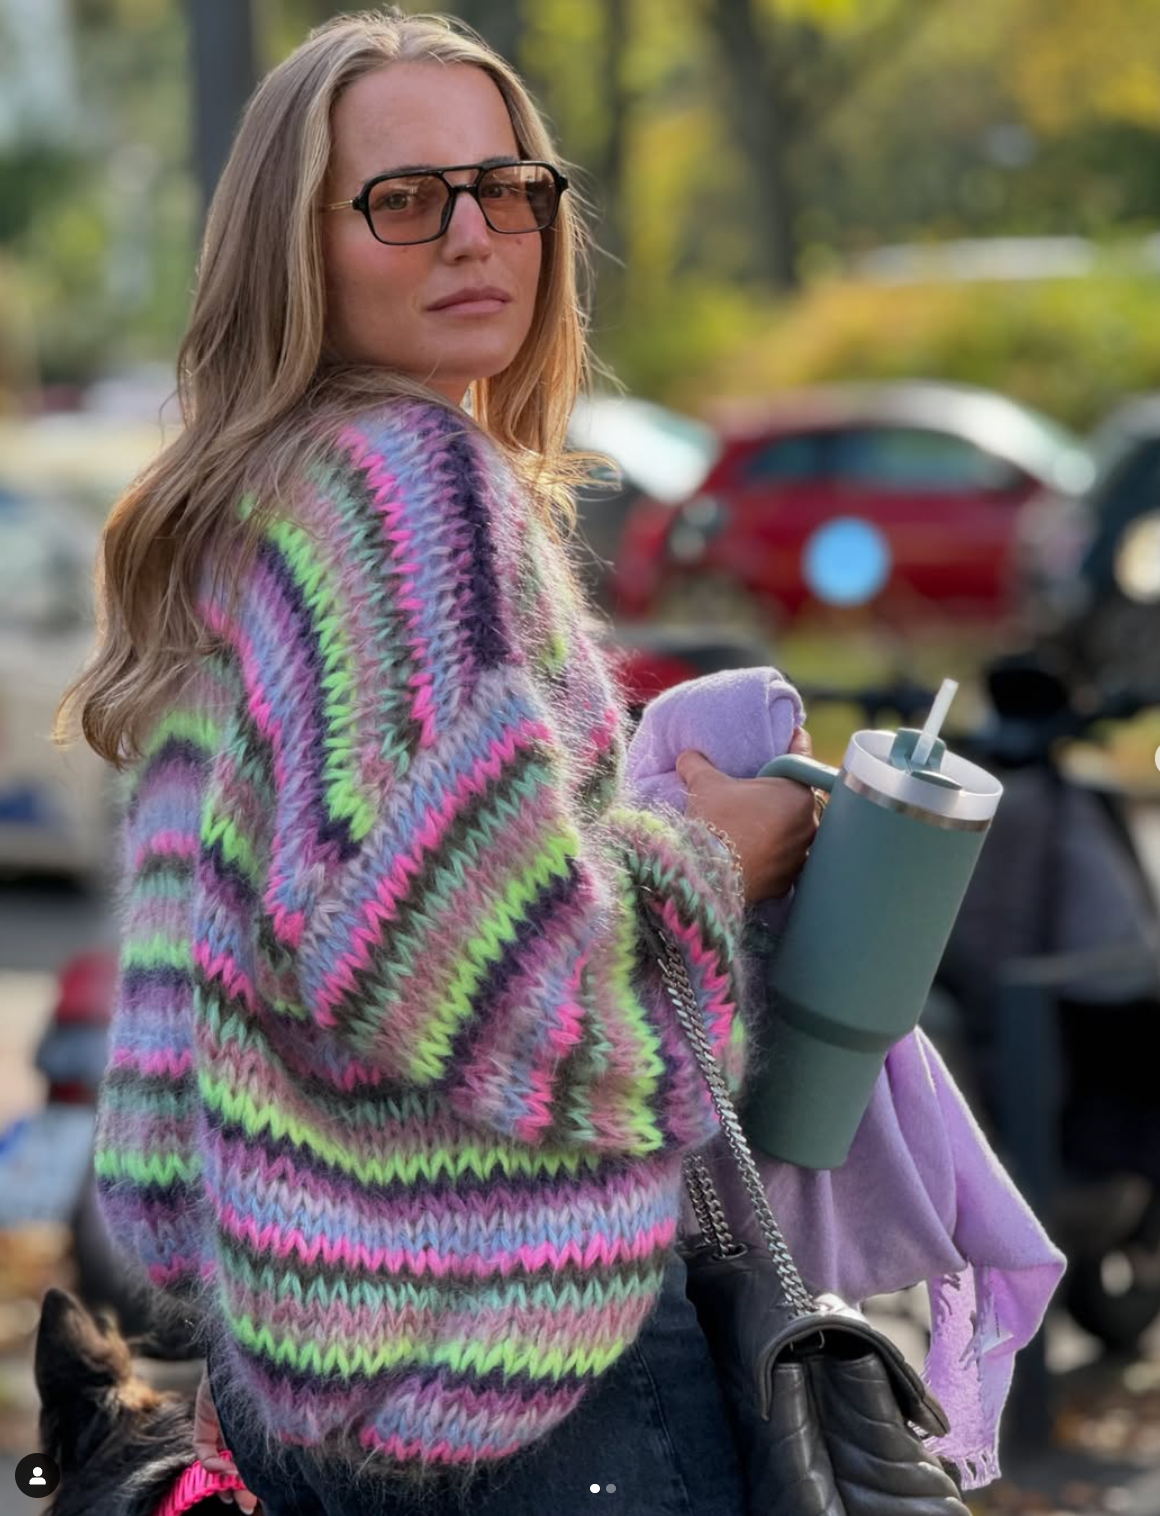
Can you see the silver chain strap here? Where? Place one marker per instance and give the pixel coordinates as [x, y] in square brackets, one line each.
[703, 1195]
[707, 1207]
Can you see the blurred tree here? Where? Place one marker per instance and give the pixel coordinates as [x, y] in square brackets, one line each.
[17, 354]
[282, 24]
[498, 22]
[1006, 117]
[1073, 63]
[1071, 347]
[789, 64]
[32, 176]
[224, 69]
[610, 159]
[730, 147]
[99, 230]
[759, 107]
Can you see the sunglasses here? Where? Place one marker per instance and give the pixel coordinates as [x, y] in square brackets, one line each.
[403, 209]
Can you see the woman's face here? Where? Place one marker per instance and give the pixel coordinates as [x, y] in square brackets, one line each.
[382, 300]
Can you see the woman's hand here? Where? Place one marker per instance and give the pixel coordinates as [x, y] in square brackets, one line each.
[207, 1444]
[771, 821]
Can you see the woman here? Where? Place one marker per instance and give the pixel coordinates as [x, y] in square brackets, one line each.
[396, 1104]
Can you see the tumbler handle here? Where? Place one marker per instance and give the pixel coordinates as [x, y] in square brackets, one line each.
[819, 776]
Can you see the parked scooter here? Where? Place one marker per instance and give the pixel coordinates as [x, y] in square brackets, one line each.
[1060, 902]
[1061, 914]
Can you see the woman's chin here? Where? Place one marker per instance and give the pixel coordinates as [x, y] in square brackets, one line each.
[467, 366]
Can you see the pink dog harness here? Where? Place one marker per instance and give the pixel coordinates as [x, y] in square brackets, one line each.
[194, 1486]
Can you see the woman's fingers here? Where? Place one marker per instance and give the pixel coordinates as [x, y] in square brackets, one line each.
[800, 742]
[207, 1447]
[244, 1501]
[772, 821]
[790, 830]
[214, 1464]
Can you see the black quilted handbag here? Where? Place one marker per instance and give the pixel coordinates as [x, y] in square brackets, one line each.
[828, 1416]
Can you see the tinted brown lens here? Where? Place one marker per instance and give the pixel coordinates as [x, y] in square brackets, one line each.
[407, 207]
[518, 198]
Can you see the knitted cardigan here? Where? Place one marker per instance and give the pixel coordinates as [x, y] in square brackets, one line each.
[396, 1100]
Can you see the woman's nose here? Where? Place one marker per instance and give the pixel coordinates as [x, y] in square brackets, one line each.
[468, 227]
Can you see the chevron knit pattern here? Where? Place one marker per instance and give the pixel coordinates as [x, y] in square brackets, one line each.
[396, 1098]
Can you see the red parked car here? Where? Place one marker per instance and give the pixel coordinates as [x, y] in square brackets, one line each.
[941, 471]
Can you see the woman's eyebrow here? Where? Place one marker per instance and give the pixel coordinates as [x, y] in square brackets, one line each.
[431, 168]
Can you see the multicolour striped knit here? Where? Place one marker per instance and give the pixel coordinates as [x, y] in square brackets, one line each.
[395, 1090]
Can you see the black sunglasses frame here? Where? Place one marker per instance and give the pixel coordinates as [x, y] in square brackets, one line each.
[362, 202]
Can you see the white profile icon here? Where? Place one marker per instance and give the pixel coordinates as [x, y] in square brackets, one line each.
[36, 1477]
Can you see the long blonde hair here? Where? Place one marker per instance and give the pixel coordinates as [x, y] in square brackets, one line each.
[258, 387]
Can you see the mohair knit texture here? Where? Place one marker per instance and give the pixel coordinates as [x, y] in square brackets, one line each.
[396, 1100]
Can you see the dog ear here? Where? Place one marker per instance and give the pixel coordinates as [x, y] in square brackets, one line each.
[80, 1364]
[76, 1351]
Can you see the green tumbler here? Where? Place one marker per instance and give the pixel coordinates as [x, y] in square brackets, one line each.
[872, 912]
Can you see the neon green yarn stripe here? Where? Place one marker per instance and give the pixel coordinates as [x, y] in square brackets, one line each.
[365, 528]
[343, 799]
[397, 1294]
[671, 879]
[636, 1095]
[236, 848]
[641, 1097]
[486, 947]
[509, 800]
[158, 952]
[257, 1118]
[152, 1168]
[463, 1356]
[186, 726]
[555, 653]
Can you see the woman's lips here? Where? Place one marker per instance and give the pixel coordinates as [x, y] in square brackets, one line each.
[472, 300]
[487, 306]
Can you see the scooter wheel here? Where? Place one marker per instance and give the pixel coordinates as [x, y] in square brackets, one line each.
[1113, 1298]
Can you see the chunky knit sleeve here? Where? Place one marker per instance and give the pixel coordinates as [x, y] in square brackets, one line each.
[147, 1160]
[451, 900]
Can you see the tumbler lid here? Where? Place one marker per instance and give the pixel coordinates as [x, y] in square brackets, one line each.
[948, 788]
[931, 771]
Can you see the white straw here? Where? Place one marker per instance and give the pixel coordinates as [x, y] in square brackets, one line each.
[929, 734]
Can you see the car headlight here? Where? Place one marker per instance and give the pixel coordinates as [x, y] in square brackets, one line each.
[695, 524]
[1137, 567]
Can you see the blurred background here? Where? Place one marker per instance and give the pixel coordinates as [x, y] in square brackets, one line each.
[879, 284]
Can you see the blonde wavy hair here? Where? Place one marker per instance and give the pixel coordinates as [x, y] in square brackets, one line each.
[258, 388]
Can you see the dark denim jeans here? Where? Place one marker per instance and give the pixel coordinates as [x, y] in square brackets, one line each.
[651, 1436]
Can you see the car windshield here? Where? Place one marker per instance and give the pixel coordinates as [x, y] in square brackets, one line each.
[999, 426]
[1034, 442]
[662, 452]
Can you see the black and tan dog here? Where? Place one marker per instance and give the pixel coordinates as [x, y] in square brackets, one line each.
[120, 1445]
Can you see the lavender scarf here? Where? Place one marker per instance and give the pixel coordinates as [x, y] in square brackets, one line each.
[919, 1158]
